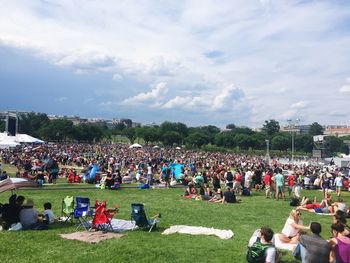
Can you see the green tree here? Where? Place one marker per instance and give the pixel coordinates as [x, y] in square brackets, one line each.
[315, 129]
[334, 144]
[31, 123]
[174, 126]
[120, 126]
[271, 127]
[244, 141]
[148, 134]
[225, 139]
[230, 126]
[130, 133]
[87, 133]
[57, 130]
[281, 142]
[170, 138]
[197, 139]
[304, 142]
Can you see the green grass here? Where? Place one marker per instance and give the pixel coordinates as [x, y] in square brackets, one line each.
[141, 246]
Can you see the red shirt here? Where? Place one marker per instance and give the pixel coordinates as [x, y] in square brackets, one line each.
[238, 177]
[267, 179]
[290, 180]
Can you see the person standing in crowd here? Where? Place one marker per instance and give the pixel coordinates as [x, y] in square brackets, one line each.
[267, 182]
[338, 182]
[290, 183]
[279, 185]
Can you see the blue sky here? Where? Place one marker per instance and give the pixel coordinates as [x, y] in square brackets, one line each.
[198, 62]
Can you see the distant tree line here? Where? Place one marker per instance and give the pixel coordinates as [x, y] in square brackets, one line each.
[177, 133]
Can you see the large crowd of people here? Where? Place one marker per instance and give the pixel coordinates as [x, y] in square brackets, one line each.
[211, 177]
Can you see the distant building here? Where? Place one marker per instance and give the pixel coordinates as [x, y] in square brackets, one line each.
[291, 128]
[75, 119]
[337, 130]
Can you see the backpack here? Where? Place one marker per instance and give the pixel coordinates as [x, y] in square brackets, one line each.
[256, 253]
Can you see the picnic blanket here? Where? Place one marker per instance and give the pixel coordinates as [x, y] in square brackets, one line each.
[199, 230]
[120, 225]
[91, 237]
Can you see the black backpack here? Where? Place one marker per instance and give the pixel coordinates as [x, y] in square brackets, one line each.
[256, 253]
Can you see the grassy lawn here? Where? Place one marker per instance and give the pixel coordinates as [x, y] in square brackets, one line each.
[141, 246]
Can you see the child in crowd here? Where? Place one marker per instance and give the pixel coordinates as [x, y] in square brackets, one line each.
[48, 214]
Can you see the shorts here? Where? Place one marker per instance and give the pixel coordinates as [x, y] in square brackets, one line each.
[280, 189]
[318, 210]
[267, 188]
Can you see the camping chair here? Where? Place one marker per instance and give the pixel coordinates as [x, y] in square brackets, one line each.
[82, 211]
[67, 208]
[139, 216]
[103, 217]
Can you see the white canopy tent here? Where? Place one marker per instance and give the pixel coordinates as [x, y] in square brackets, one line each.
[135, 145]
[25, 138]
[7, 142]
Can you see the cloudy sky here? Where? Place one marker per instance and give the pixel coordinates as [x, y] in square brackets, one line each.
[198, 62]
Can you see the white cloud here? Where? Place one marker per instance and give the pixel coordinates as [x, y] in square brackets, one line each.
[299, 105]
[62, 99]
[227, 97]
[155, 94]
[345, 89]
[117, 77]
[275, 51]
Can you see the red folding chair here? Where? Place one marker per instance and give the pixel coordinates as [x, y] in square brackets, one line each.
[103, 217]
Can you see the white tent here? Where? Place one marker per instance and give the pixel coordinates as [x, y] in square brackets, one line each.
[25, 138]
[135, 145]
[7, 142]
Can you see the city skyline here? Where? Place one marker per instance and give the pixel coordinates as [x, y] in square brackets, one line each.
[196, 62]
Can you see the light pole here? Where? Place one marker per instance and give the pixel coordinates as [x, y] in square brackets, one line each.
[267, 151]
[292, 125]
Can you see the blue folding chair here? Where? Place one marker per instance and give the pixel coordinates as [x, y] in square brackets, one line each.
[82, 211]
[138, 214]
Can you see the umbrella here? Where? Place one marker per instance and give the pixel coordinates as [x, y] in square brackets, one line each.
[15, 183]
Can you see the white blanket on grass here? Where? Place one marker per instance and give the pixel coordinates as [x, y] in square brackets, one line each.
[120, 225]
[198, 230]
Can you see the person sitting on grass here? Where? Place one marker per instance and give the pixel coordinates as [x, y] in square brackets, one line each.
[48, 216]
[313, 248]
[10, 212]
[217, 198]
[229, 196]
[292, 228]
[29, 217]
[191, 191]
[340, 244]
[340, 218]
[262, 249]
